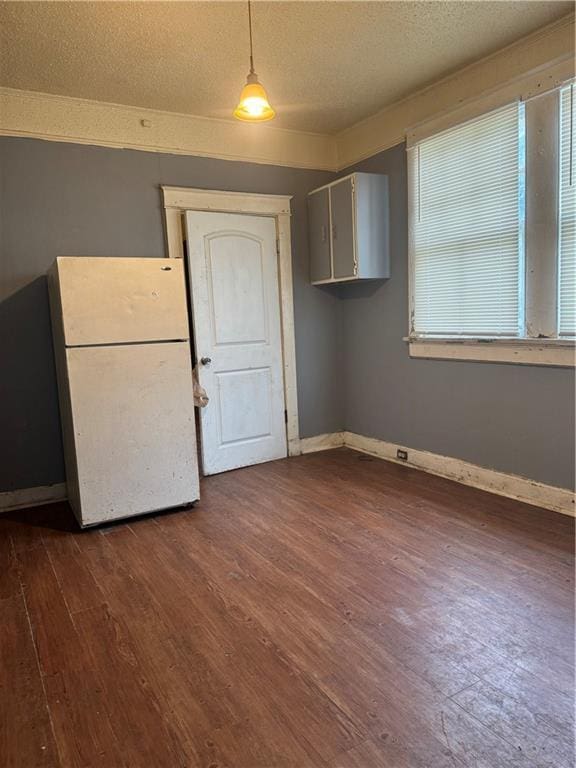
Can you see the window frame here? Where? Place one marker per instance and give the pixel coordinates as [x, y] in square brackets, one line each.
[540, 343]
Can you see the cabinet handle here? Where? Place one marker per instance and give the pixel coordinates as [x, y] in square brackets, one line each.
[334, 233]
[323, 230]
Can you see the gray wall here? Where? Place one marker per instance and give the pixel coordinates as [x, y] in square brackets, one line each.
[66, 199]
[354, 370]
[513, 418]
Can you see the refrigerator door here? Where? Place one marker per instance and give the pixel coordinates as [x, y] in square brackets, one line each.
[133, 420]
[121, 300]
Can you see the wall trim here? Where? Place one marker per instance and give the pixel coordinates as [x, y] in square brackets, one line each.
[83, 121]
[32, 497]
[500, 483]
[496, 351]
[528, 86]
[187, 198]
[321, 442]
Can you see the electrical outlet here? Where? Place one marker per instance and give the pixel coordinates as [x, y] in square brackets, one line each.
[403, 455]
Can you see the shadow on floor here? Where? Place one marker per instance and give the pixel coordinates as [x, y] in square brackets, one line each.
[59, 517]
[55, 517]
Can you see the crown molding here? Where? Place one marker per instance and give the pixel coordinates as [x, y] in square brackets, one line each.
[531, 65]
[82, 121]
[535, 63]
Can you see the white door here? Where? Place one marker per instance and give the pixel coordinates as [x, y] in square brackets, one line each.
[237, 334]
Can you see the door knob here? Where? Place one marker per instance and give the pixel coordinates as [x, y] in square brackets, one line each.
[205, 360]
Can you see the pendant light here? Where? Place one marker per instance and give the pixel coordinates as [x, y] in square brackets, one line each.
[253, 106]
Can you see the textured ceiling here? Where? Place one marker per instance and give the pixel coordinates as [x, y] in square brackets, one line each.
[326, 65]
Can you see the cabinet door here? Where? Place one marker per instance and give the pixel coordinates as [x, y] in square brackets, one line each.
[342, 207]
[319, 236]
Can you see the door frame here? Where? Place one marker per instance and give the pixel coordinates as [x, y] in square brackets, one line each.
[178, 200]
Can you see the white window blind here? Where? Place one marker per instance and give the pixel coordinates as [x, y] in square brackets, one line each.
[466, 229]
[567, 218]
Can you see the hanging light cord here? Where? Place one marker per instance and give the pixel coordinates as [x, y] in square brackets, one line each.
[250, 29]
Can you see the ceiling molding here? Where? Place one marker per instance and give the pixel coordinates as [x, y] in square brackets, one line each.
[534, 84]
[521, 67]
[81, 121]
[533, 64]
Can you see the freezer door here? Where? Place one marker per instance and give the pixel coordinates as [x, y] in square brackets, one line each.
[134, 432]
[121, 300]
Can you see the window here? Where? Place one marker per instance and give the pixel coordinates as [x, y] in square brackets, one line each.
[467, 233]
[492, 224]
[567, 225]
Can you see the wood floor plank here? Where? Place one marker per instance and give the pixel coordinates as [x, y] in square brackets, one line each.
[26, 737]
[252, 662]
[306, 626]
[77, 585]
[9, 581]
[525, 711]
[74, 688]
[182, 680]
[141, 725]
[328, 611]
[389, 752]
[366, 589]
[206, 696]
[356, 663]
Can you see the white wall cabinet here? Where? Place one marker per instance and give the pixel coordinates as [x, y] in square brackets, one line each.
[348, 227]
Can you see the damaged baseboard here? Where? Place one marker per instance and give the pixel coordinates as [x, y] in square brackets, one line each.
[512, 486]
[32, 497]
[321, 442]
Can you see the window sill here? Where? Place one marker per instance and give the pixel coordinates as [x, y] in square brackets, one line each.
[551, 352]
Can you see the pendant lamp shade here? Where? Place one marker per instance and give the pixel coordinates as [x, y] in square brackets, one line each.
[253, 106]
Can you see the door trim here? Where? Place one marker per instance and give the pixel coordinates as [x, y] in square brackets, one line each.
[178, 200]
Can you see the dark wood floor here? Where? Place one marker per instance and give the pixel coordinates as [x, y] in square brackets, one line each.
[327, 611]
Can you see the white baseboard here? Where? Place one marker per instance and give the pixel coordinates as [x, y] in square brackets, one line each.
[321, 442]
[32, 497]
[513, 486]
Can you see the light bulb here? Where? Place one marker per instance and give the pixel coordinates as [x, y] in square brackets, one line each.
[253, 105]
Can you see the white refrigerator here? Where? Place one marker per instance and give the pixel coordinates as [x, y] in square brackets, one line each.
[122, 349]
